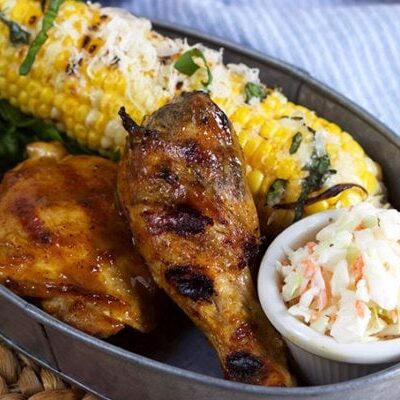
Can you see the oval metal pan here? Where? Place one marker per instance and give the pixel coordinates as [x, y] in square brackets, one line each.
[115, 373]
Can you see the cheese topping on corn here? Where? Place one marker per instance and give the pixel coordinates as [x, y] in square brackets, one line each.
[96, 60]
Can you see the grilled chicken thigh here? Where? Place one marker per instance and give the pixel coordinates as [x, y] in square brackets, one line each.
[63, 241]
[182, 185]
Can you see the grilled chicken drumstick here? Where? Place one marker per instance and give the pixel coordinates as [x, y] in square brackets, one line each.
[62, 241]
[182, 185]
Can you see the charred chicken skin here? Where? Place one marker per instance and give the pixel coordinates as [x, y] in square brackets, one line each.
[182, 185]
[63, 242]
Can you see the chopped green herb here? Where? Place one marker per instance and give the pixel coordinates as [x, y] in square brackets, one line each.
[296, 141]
[255, 90]
[187, 66]
[276, 191]
[18, 129]
[113, 155]
[10, 114]
[296, 118]
[319, 171]
[17, 35]
[48, 21]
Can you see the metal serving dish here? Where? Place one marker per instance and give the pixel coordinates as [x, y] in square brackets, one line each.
[176, 362]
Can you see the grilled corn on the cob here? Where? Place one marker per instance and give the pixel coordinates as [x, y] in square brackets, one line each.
[97, 59]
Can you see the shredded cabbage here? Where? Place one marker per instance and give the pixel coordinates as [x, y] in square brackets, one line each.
[346, 283]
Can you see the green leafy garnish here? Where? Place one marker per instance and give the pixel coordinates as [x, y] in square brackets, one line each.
[296, 141]
[48, 21]
[319, 171]
[113, 155]
[276, 191]
[187, 66]
[17, 130]
[17, 35]
[255, 90]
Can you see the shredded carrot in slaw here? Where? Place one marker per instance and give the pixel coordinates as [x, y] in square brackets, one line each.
[346, 282]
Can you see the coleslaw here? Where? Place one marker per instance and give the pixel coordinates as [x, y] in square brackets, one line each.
[346, 283]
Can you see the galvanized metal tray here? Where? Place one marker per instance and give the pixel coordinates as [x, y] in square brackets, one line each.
[176, 362]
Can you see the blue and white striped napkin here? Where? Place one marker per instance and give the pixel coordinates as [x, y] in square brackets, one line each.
[351, 45]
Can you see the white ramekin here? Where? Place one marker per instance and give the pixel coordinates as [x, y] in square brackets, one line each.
[321, 359]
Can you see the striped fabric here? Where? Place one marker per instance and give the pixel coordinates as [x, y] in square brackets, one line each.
[351, 45]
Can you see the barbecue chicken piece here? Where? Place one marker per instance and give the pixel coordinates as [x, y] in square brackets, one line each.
[182, 185]
[63, 241]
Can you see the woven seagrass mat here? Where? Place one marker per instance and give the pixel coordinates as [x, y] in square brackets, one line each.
[21, 379]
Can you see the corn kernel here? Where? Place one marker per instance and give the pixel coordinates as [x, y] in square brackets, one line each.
[255, 120]
[69, 123]
[3, 65]
[287, 170]
[12, 76]
[13, 101]
[80, 133]
[115, 82]
[251, 146]
[3, 84]
[99, 125]
[94, 139]
[349, 198]
[23, 11]
[255, 179]
[333, 128]
[33, 104]
[33, 89]
[100, 76]
[59, 100]
[261, 153]
[68, 42]
[241, 115]
[353, 147]
[369, 181]
[61, 60]
[22, 97]
[243, 137]
[270, 103]
[269, 128]
[68, 105]
[24, 108]
[319, 206]
[46, 95]
[81, 113]
[44, 111]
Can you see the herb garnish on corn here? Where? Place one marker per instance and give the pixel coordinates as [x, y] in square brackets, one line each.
[48, 21]
[276, 191]
[186, 65]
[16, 34]
[254, 90]
[96, 60]
[319, 171]
[296, 141]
